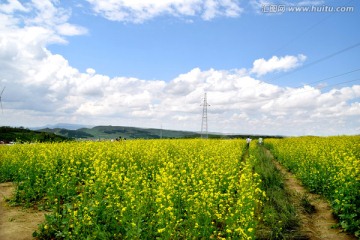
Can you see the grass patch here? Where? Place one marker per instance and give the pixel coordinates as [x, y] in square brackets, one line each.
[306, 204]
[278, 215]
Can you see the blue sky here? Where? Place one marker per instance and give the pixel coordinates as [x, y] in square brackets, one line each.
[148, 63]
[164, 47]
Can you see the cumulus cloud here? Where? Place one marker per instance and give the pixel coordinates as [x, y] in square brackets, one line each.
[276, 64]
[39, 16]
[309, 3]
[140, 11]
[67, 29]
[12, 6]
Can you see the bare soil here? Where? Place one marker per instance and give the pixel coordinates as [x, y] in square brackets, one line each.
[317, 224]
[16, 223]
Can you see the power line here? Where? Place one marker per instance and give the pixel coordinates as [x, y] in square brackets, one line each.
[318, 61]
[332, 85]
[336, 84]
[339, 75]
[301, 34]
[327, 86]
[304, 91]
[306, 31]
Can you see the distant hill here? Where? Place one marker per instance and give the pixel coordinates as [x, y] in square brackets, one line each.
[12, 134]
[68, 126]
[67, 133]
[117, 132]
[114, 132]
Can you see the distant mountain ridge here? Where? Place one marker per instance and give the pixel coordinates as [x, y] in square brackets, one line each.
[124, 132]
[23, 135]
[117, 132]
[66, 132]
[68, 126]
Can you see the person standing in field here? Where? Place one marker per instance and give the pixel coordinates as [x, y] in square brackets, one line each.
[248, 141]
[260, 141]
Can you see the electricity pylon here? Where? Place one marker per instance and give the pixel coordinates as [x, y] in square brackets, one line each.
[204, 121]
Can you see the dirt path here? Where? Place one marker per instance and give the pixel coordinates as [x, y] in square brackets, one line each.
[317, 224]
[16, 223]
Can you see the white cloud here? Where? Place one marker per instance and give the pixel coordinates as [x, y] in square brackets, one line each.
[262, 66]
[139, 11]
[12, 6]
[37, 17]
[309, 3]
[46, 13]
[238, 103]
[67, 29]
[90, 71]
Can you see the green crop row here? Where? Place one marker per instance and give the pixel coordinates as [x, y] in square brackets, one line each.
[329, 166]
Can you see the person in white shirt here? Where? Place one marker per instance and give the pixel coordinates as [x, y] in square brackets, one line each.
[248, 141]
